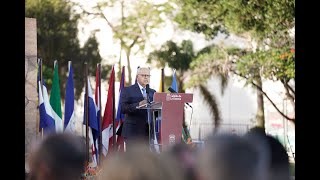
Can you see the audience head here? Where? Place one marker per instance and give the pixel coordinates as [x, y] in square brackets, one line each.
[279, 161]
[272, 152]
[58, 157]
[139, 163]
[184, 155]
[228, 157]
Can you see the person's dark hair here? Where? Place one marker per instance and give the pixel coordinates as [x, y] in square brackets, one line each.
[279, 161]
[229, 157]
[270, 147]
[63, 154]
[257, 130]
[139, 163]
[184, 155]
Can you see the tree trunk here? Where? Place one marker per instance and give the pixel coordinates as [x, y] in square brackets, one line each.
[120, 55]
[260, 108]
[129, 67]
[180, 84]
[119, 63]
[289, 95]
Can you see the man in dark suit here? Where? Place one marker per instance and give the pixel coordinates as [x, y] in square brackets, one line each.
[135, 125]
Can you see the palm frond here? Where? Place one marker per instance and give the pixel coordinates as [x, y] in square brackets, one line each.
[211, 100]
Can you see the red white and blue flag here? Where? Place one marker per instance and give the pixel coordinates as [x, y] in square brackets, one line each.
[107, 121]
[120, 116]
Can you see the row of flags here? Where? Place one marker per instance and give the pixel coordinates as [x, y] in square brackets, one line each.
[102, 135]
[51, 114]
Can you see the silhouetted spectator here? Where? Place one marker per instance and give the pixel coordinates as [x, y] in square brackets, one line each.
[228, 157]
[279, 165]
[268, 146]
[139, 163]
[184, 155]
[58, 157]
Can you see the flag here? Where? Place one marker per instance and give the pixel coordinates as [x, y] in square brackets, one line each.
[107, 128]
[69, 119]
[93, 149]
[120, 116]
[174, 84]
[161, 85]
[186, 136]
[46, 119]
[55, 100]
[185, 133]
[97, 100]
[39, 62]
[39, 77]
[93, 123]
[50, 121]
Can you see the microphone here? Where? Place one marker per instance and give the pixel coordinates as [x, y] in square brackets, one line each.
[173, 91]
[147, 92]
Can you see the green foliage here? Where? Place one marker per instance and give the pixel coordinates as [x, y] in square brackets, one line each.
[274, 64]
[261, 19]
[135, 23]
[282, 64]
[201, 16]
[210, 61]
[137, 26]
[173, 55]
[57, 40]
[266, 22]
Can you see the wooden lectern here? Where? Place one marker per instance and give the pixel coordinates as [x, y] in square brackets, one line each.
[165, 117]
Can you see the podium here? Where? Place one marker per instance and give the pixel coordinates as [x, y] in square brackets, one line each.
[165, 118]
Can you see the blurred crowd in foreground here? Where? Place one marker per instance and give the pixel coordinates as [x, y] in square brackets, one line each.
[253, 156]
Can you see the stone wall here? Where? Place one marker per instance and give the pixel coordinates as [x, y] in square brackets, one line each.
[31, 95]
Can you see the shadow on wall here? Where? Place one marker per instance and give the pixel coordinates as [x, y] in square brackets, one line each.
[237, 107]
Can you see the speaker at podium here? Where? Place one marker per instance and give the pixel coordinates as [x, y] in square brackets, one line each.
[165, 118]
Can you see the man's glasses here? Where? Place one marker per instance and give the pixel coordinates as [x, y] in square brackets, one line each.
[145, 75]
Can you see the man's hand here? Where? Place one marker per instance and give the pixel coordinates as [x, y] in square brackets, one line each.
[142, 102]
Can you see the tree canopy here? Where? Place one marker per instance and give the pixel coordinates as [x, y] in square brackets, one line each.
[57, 39]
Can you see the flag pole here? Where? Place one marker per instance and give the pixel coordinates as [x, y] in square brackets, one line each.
[120, 121]
[162, 80]
[41, 69]
[38, 108]
[113, 117]
[99, 101]
[86, 111]
[38, 114]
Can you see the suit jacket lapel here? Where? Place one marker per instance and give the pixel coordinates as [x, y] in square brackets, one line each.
[138, 90]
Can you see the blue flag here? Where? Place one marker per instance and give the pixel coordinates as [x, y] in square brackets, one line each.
[93, 121]
[46, 117]
[185, 133]
[119, 115]
[69, 119]
[174, 84]
[94, 131]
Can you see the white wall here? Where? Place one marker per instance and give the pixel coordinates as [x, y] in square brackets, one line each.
[237, 108]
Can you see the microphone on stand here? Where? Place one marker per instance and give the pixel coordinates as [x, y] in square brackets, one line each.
[173, 91]
[147, 92]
